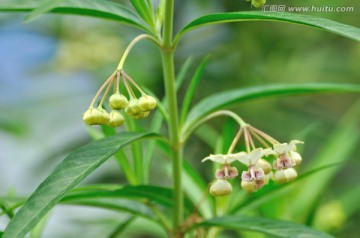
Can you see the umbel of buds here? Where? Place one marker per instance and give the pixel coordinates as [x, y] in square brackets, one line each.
[134, 107]
[257, 160]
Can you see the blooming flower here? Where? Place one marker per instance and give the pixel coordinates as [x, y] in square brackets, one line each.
[250, 160]
[287, 155]
[226, 171]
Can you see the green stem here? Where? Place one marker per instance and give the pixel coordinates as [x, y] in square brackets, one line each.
[188, 129]
[169, 78]
[131, 45]
[167, 56]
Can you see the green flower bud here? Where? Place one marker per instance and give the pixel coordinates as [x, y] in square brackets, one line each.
[141, 115]
[146, 103]
[285, 175]
[266, 166]
[220, 187]
[132, 109]
[96, 116]
[296, 157]
[105, 117]
[249, 186]
[118, 101]
[116, 119]
[258, 3]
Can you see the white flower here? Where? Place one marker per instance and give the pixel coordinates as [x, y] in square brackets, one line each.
[287, 155]
[250, 159]
[220, 158]
[286, 148]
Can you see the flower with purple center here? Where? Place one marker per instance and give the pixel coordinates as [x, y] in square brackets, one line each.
[250, 160]
[287, 155]
[226, 171]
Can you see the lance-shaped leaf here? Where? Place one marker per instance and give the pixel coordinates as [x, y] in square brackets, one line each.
[232, 97]
[313, 21]
[94, 8]
[271, 227]
[71, 171]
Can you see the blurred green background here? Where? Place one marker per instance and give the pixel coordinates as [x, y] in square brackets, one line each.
[51, 68]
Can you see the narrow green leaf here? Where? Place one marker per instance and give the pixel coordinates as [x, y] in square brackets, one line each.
[121, 227]
[136, 151]
[190, 92]
[94, 8]
[122, 205]
[232, 97]
[313, 21]
[144, 11]
[276, 228]
[159, 195]
[180, 77]
[72, 170]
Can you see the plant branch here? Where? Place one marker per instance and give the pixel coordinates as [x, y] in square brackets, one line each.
[188, 130]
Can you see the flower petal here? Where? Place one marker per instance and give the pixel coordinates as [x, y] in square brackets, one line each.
[281, 148]
[255, 155]
[268, 151]
[292, 144]
[242, 157]
[259, 173]
[246, 176]
[218, 158]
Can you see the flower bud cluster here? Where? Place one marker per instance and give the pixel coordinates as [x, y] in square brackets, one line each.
[275, 163]
[134, 107]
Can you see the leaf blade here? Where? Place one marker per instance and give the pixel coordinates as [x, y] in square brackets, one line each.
[95, 8]
[232, 97]
[73, 169]
[266, 226]
[307, 20]
[190, 92]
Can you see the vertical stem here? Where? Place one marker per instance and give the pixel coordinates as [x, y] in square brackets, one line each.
[169, 78]
[167, 57]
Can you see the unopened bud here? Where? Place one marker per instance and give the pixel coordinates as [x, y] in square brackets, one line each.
[220, 187]
[132, 109]
[265, 165]
[96, 116]
[118, 101]
[146, 103]
[296, 157]
[141, 115]
[116, 119]
[258, 3]
[285, 175]
[249, 186]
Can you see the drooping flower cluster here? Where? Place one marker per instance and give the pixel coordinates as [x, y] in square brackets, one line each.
[135, 107]
[257, 160]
